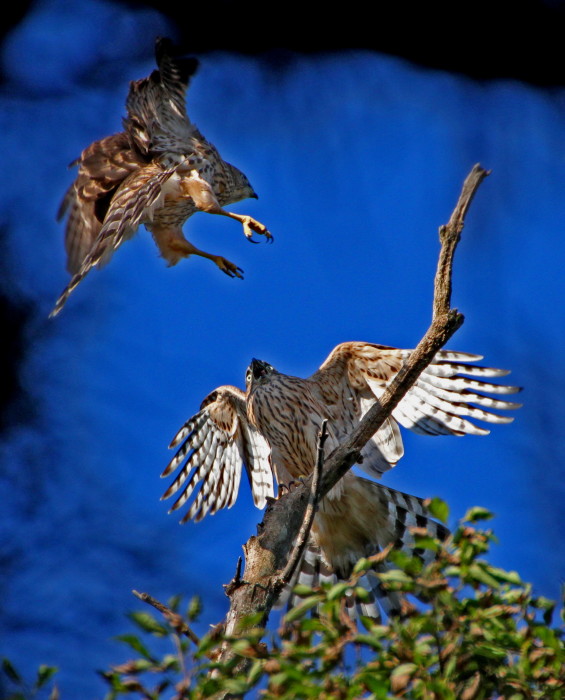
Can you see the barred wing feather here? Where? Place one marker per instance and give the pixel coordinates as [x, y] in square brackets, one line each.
[214, 446]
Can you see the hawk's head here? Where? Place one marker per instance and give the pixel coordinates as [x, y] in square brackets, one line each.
[240, 186]
[258, 372]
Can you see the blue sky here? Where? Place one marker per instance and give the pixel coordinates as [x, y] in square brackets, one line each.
[357, 159]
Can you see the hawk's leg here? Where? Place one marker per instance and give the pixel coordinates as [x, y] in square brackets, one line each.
[186, 249]
[204, 199]
[250, 225]
[174, 246]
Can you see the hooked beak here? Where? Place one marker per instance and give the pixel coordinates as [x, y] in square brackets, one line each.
[258, 367]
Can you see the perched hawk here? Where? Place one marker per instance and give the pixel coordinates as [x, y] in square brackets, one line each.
[273, 428]
[159, 171]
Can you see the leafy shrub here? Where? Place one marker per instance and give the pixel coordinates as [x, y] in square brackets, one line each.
[470, 631]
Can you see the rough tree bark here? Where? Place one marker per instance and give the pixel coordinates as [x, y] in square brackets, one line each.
[267, 554]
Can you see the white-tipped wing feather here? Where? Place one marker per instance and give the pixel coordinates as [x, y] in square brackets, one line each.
[214, 446]
[442, 402]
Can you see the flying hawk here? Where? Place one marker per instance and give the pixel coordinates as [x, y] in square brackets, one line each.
[158, 171]
[272, 428]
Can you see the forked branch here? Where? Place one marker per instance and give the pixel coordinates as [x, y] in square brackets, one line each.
[267, 555]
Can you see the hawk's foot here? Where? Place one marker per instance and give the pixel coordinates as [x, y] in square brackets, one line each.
[178, 248]
[228, 267]
[251, 226]
[290, 486]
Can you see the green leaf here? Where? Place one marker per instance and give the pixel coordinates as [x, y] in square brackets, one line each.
[479, 574]
[241, 647]
[375, 685]
[426, 542]
[115, 681]
[395, 576]
[174, 602]
[235, 686]
[490, 652]
[337, 591]
[513, 595]
[207, 642]
[362, 565]
[406, 669]
[438, 509]
[194, 608]
[142, 665]
[252, 619]
[134, 642]
[362, 594]
[543, 603]
[44, 673]
[369, 640]
[255, 672]
[405, 561]
[312, 624]
[505, 576]
[302, 608]
[10, 670]
[170, 661]
[302, 590]
[477, 513]
[148, 623]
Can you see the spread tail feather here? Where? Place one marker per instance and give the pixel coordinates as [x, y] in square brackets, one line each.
[364, 521]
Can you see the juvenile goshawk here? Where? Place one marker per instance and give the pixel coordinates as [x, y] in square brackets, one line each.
[158, 171]
[273, 428]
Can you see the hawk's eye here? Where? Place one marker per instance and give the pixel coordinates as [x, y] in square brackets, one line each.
[248, 376]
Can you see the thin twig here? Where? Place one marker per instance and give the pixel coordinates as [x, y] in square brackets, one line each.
[236, 580]
[237, 577]
[174, 619]
[311, 507]
[449, 235]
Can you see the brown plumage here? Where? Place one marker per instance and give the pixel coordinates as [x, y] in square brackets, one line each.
[158, 172]
[275, 424]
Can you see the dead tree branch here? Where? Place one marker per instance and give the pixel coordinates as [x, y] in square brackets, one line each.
[303, 535]
[268, 553]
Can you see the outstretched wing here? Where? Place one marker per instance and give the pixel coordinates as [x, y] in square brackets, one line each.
[448, 393]
[134, 201]
[157, 120]
[102, 167]
[214, 445]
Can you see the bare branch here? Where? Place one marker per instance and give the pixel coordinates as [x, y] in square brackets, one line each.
[444, 324]
[449, 236]
[304, 534]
